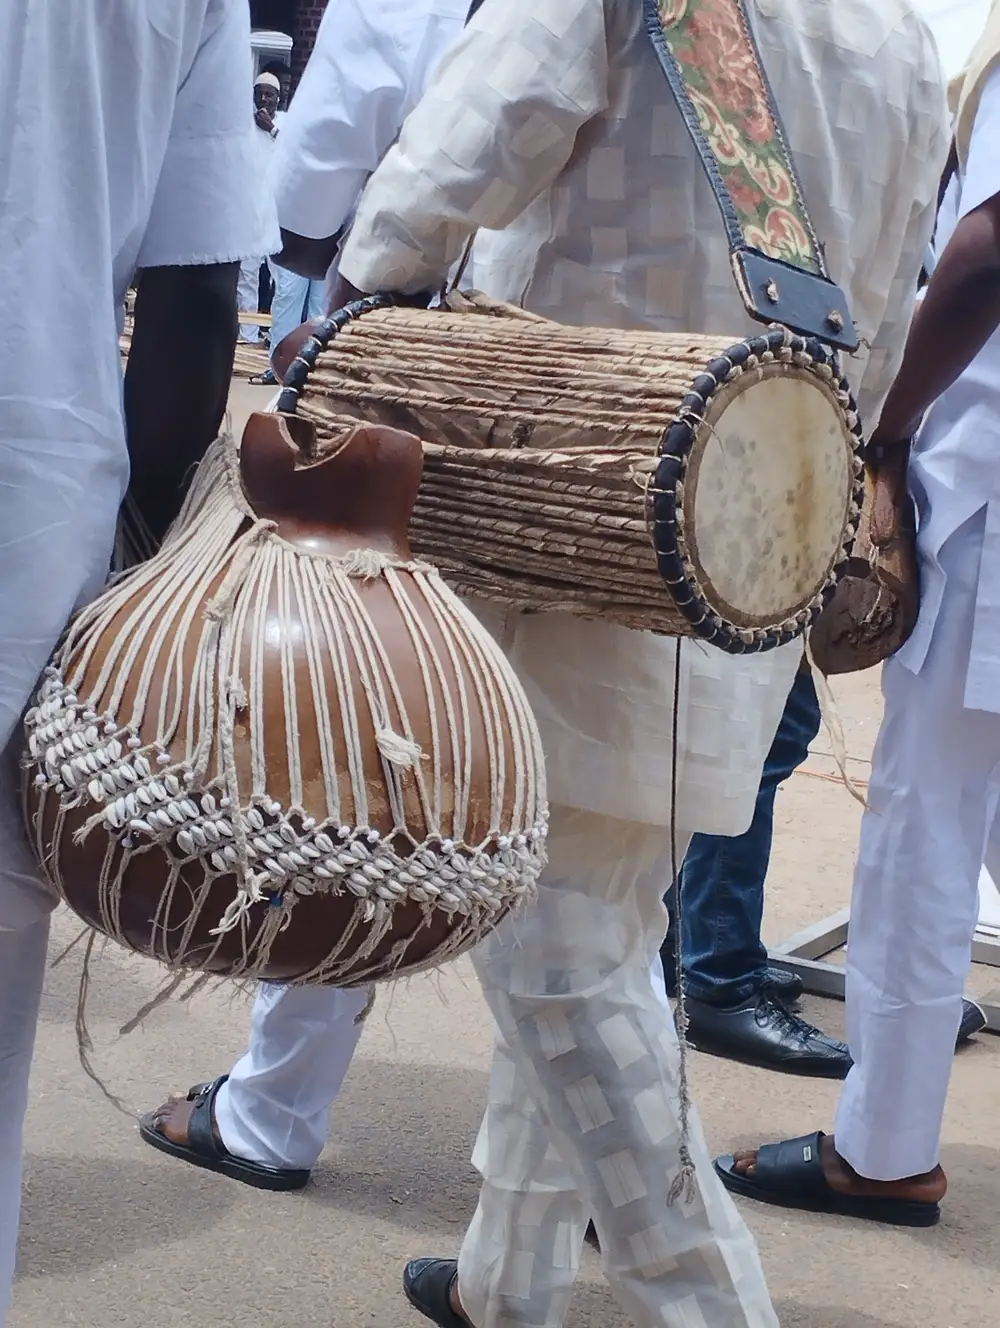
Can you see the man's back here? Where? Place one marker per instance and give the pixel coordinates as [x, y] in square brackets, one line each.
[553, 119]
[630, 231]
[583, 127]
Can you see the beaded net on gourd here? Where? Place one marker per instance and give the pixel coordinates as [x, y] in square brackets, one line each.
[168, 741]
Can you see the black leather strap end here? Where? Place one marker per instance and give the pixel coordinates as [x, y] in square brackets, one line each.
[776, 292]
[201, 1134]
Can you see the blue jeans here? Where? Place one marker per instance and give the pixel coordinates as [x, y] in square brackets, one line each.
[722, 878]
[296, 300]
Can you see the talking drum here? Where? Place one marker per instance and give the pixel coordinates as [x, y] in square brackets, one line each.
[282, 748]
[678, 483]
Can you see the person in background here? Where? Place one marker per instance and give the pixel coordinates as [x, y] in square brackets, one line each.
[170, 194]
[283, 74]
[934, 792]
[296, 298]
[738, 1005]
[267, 117]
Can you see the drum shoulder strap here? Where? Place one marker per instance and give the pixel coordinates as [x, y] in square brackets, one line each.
[777, 259]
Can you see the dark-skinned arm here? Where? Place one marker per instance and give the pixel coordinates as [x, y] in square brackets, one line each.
[177, 382]
[307, 257]
[959, 313]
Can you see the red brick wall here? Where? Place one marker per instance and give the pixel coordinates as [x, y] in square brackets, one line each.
[307, 15]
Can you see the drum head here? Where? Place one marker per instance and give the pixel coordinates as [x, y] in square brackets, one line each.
[767, 495]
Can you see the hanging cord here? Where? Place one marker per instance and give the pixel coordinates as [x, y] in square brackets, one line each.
[833, 724]
[685, 1185]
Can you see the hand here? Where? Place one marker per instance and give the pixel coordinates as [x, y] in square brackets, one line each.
[892, 509]
[263, 119]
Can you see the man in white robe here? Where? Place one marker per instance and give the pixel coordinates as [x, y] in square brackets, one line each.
[555, 120]
[935, 786]
[560, 108]
[267, 121]
[126, 133]
[371, 64]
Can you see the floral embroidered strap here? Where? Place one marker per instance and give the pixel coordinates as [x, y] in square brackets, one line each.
[710, 57]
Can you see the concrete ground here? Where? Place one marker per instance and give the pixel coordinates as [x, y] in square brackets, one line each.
[116, 1234]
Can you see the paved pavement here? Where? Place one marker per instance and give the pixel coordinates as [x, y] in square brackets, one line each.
[116, 1234]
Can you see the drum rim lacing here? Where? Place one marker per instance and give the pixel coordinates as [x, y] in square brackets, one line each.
[665, 492]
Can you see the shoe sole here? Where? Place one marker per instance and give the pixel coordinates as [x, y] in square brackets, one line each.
[804, 1069]
[888, 1212]
[247, 1173]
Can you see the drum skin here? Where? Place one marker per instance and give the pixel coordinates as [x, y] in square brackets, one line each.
[282, 749]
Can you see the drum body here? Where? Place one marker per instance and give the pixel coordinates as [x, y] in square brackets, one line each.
[681, 484]
[873, 611]
[282, 749]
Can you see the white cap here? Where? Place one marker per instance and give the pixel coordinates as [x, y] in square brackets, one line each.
[267, 81]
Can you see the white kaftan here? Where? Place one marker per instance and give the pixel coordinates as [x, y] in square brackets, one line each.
[553, 119]
[248, 290]
[127, 142]
[954, 471]
[562, 106]
[935, 787]
[369, 67]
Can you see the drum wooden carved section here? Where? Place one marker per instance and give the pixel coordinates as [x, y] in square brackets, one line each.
[282, 748]
[682, 484]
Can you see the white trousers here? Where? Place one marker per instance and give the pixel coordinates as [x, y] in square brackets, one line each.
[583, 1112]
[248, 295]
[933, 798]
[22, 968]
[275, 1107]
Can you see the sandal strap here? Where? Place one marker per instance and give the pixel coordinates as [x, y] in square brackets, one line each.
[197, 1089]
[201, 1134]
[793, 1166]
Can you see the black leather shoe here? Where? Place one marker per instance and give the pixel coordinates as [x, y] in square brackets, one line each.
[427, 1286]
[761, 1031]
[973, 1021]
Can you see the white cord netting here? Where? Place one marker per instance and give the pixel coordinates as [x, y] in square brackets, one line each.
[229, 730]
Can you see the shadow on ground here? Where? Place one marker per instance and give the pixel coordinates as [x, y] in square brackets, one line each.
[64, 1232]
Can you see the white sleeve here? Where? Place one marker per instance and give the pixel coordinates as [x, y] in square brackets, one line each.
[497, 125]
[911, 212]
[210, 205]
[345, 114]
[982, 171]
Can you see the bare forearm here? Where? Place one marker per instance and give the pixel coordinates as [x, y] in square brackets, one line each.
[959, 314]
[177, 382]
[307, 257]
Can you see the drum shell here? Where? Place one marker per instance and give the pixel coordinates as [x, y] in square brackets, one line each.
[308, 745]
[546, 448]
